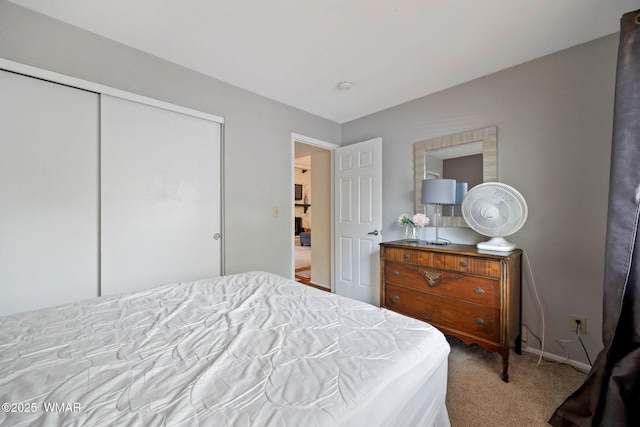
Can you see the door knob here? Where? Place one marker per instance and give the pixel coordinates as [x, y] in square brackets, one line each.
[374, 232]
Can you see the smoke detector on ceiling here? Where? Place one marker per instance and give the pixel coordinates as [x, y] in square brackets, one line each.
[344, 85]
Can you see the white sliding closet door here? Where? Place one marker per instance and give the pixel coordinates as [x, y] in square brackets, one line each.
[48, 193]
[161, 196]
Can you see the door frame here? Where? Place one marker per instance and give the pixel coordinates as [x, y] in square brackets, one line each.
[52, 76]
[320, 144]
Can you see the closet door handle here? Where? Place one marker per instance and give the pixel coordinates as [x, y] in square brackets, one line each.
[374, 232]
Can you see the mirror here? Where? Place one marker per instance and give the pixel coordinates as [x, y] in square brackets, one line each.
[464, 156]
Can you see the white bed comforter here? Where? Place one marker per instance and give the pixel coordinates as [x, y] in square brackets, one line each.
[248, 349]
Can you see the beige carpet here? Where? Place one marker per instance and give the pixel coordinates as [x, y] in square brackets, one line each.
[477, 396]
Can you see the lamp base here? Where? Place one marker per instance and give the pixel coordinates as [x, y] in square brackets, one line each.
[438, 242]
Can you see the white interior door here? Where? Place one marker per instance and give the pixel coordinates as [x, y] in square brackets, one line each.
[358, 220]
[48, 194]
[161, 197]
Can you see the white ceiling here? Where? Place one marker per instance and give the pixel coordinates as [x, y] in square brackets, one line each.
[297, 51]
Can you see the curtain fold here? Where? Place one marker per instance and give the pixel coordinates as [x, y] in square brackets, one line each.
[610, 395]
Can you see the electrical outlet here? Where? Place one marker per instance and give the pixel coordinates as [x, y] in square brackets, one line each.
[583, 323]
[523, 336]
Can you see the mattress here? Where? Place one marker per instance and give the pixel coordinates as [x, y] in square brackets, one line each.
[252, 349]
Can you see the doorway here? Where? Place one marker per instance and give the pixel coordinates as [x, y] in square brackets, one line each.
[312, 211]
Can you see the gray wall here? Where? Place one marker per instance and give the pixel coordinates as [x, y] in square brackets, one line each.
[257, 130]
[554, 118]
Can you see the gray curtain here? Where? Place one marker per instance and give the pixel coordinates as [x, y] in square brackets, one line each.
[610, 396]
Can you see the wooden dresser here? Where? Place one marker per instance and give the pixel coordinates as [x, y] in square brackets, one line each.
[471, 294]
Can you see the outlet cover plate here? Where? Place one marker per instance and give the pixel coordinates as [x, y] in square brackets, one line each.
[583, 323]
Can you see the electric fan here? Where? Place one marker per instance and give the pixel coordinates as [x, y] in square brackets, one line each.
[495, 210]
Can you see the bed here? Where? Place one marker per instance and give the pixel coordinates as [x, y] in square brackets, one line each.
[251, 349]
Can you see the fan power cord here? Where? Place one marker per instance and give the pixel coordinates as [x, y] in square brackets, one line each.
[586, 353]
[577, 338]
[566, 353]
[535, 291]
[541, 340]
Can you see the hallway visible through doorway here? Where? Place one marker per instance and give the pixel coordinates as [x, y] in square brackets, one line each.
[312, 215]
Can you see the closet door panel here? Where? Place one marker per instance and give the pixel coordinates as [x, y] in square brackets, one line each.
[48, 193]
[161, 197]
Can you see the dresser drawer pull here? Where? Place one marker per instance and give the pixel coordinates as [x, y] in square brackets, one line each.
[395, 274]
[464, 264]
[432, 277]
[479, 321]
[479, 291]
[395, 298]
[405, 256]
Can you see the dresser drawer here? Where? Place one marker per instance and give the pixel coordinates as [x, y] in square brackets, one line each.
[478, 290]
[465, 264]
[480, 321]
[408, 255]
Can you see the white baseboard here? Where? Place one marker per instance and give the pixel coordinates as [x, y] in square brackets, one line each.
[583, 367]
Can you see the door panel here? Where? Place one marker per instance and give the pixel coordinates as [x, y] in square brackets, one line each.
[161, 197]
[48, 193]
[358, 223]
[345, 265]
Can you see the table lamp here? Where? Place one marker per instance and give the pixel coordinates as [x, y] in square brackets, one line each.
[438, 192]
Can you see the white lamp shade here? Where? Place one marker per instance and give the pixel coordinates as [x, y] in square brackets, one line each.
[439, 191]
[461, 191]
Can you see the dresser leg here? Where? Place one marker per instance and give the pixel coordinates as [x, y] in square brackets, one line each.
[504, 352]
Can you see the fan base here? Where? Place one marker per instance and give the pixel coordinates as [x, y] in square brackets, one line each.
[496, 244]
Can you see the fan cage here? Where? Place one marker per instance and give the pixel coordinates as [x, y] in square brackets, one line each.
[494, 209]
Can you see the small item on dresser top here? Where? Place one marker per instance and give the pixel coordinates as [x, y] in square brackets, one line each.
[495, 210]
[439, 192]
[413, 224]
